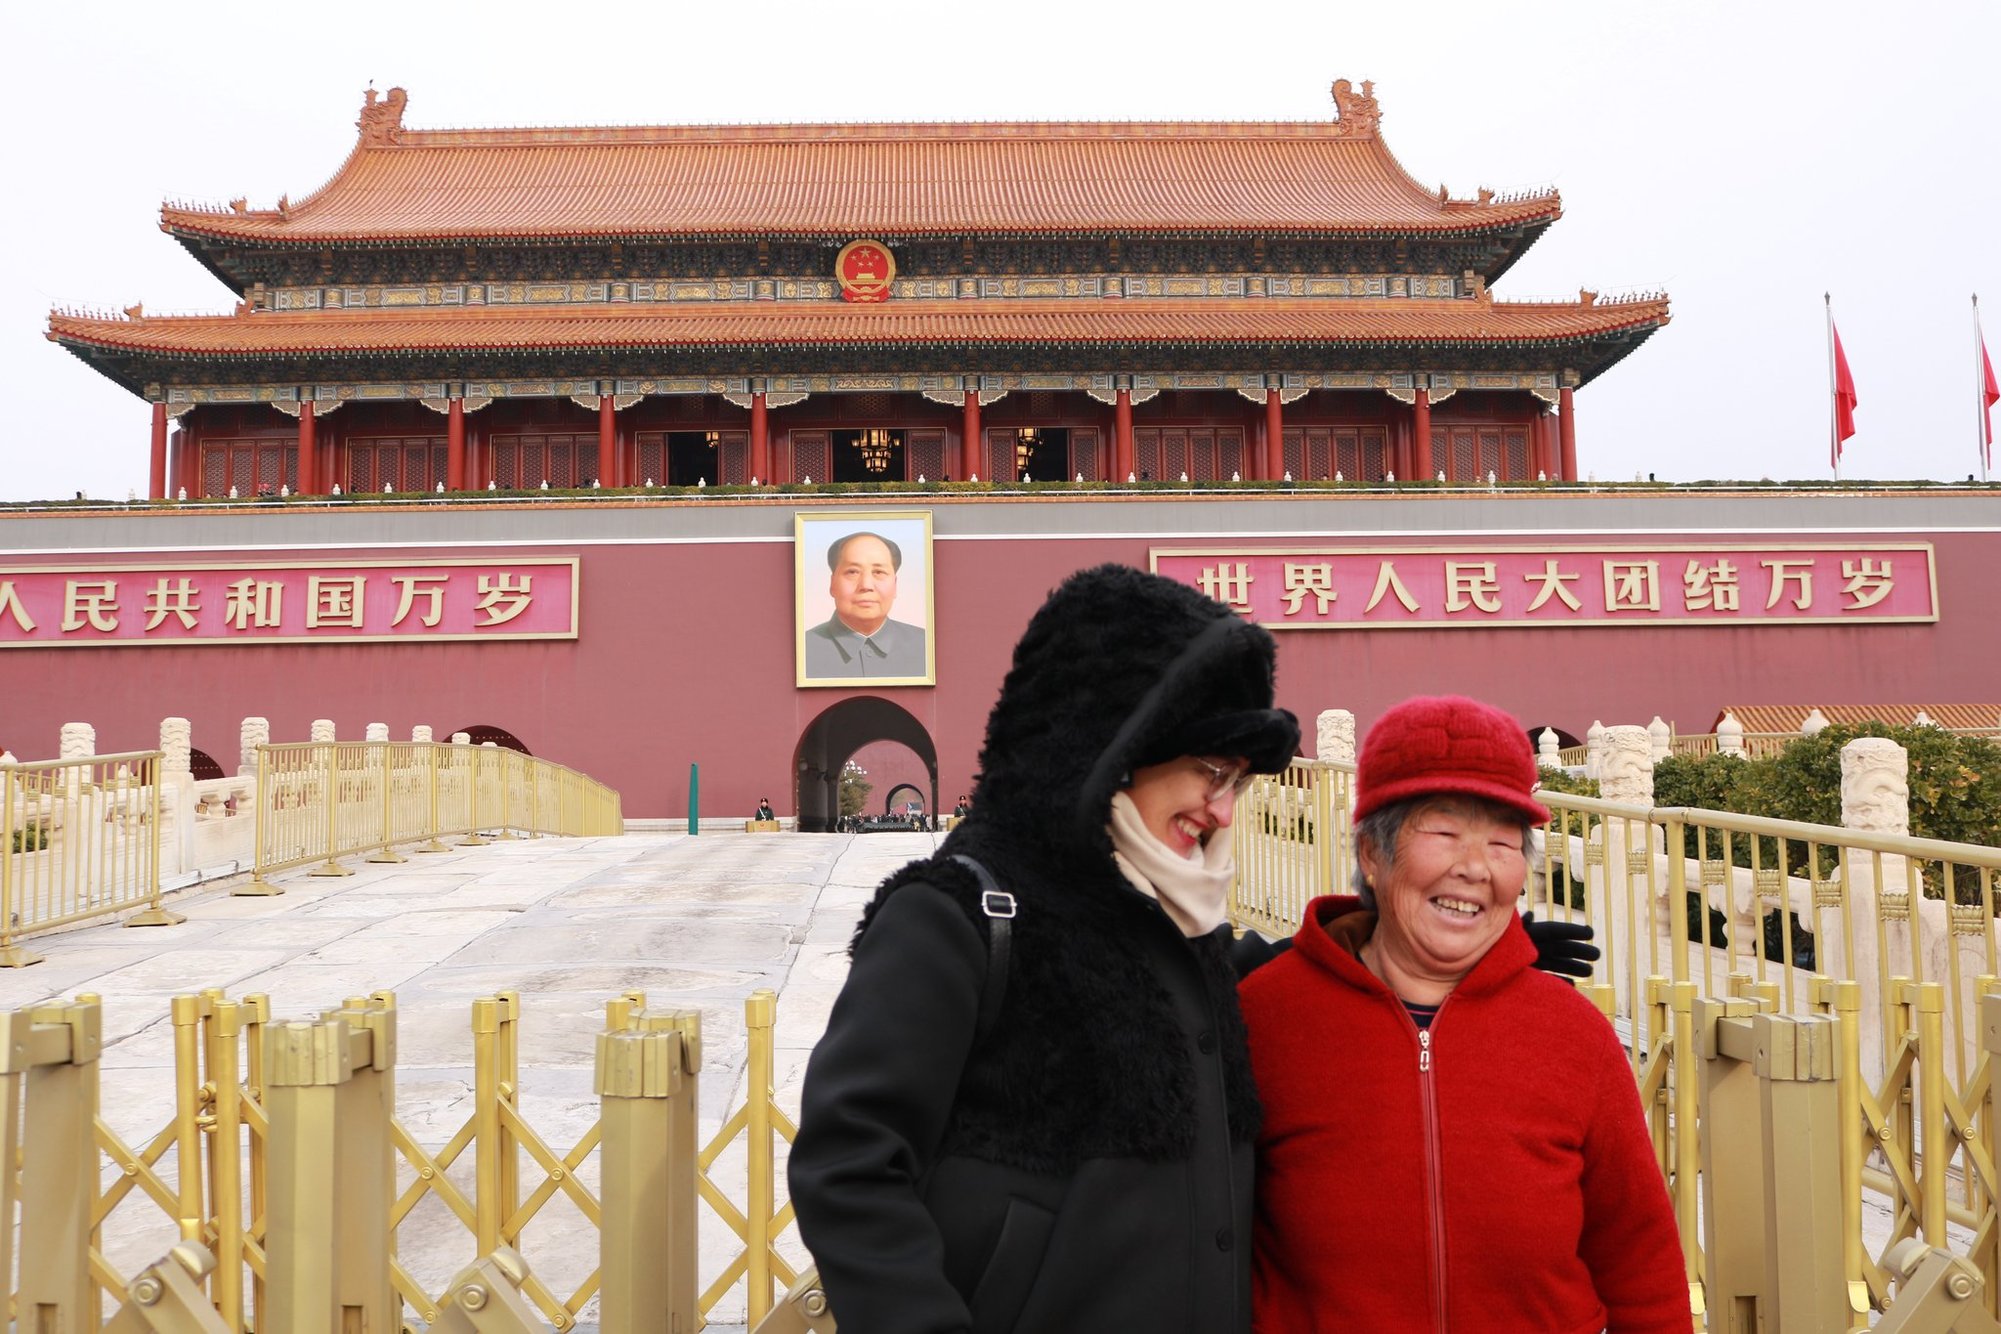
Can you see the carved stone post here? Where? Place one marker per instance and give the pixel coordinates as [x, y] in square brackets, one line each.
[1730, 736]
[78, 741]
[177, 795]
[376, 732]
[323, 730]
[1876, 798]
[1594, 749]
[421, 732]
[1661, 737]
[1814, 723]
[1626, 776]
[1549, 749]
[462, 738]
[1334, 736]
[176, 743]
[253, 733]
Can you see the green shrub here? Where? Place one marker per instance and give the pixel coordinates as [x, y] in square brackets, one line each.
[31, 838]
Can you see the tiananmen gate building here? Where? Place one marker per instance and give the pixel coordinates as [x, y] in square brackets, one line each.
[502, 308]
[571, 387]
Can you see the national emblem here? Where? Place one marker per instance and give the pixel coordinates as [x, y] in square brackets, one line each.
[864, 270]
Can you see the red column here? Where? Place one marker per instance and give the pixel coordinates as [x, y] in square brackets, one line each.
[455, 444]
[1567, 430]
[607, 442]
[1122, 436]
[760, 440]
[969, 445]
[1274, 459]
[309, 460]
[1423, 465]
[156, 480]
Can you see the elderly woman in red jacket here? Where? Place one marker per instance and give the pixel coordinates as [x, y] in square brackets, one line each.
[1452, 1140]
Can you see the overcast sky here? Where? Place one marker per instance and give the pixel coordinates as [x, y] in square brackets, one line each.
[1744, 156]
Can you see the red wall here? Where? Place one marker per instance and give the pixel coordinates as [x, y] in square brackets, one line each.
[686, 654]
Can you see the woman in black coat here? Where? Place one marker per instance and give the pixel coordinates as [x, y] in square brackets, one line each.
[1081, 1160]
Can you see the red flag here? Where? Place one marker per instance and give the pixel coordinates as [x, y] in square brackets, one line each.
[1990, 393]
[1845, 401]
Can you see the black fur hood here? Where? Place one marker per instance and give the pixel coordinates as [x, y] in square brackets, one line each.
[1118, 668]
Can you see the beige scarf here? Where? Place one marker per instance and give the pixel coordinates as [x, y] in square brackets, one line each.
[1194, 890]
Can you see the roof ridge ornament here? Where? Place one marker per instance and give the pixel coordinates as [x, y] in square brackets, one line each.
[382, 117]
[1358, 114]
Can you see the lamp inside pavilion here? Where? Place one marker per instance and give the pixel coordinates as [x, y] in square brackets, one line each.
[875, 302]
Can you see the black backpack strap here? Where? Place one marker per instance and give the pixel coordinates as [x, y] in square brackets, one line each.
[999, 906]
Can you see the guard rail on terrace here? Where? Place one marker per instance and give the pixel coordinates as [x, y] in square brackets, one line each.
[1891, 940]
[81, 838]
[319, 801]
[1756, 745]
[319, 1202]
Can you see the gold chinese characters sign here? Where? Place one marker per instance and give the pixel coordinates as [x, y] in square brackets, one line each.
[1351, 588]
[284, 602]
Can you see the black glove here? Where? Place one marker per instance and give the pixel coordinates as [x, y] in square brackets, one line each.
[1563, 948]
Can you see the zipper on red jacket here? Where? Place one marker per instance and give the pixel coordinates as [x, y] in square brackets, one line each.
[1434, 1160]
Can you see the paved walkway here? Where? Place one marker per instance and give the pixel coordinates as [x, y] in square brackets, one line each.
[696, 922]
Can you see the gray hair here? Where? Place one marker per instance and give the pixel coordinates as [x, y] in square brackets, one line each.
[1381, 827]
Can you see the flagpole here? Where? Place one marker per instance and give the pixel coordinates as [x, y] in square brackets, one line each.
[1833, 402]
[1979, 390]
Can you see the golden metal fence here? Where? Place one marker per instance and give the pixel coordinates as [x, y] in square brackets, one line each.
[1292, 843]
[285, 1158]
[1890, 940]
[79, 838]
[320, 801]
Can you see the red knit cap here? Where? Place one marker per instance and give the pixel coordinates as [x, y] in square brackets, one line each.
[1447, 743]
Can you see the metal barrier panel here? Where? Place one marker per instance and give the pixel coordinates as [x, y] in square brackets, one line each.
[1291, 831]
[318, 802]
[285, 1152]
[79, 839]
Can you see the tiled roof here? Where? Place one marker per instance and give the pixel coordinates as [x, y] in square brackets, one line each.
[909, 323]
[1331, 177]
[1784, 718]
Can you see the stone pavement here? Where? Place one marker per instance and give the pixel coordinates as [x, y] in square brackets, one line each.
[696, 922]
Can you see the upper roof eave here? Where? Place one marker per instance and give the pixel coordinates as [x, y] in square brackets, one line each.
[824, 182]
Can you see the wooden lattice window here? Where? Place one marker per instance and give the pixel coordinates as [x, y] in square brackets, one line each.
[563, 460]
[926, 452]
[414, 463]
[810, 457]
[253, 467]
[1084, 454]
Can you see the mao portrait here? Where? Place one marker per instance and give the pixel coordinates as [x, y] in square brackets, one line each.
[864, 598]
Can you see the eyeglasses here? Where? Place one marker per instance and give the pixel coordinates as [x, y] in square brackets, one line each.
[1232, 776]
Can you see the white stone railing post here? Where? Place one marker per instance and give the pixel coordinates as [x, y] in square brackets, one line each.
[1625, 775]
[177, 795]
[1334, 736]
[323, 730]
[1548, 749]
[421, 733]
[376, 732]
[1661, 737]
[1876, 798]
[1594, 749]
[1730, 736]
[253, 733]
[1814, 723]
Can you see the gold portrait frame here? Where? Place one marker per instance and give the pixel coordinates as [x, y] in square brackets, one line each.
[829, 652]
